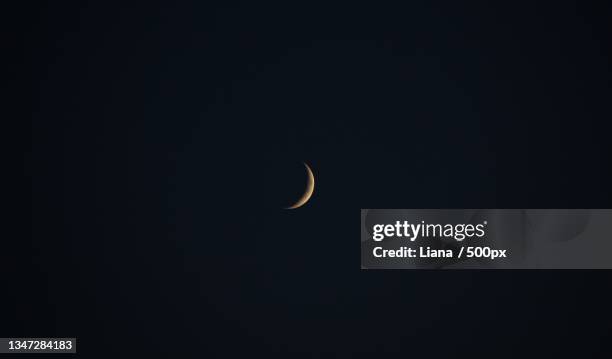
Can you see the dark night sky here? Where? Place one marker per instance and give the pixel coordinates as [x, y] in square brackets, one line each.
[167, 137]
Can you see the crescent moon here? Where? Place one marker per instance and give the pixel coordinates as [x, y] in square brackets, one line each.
[308, 192]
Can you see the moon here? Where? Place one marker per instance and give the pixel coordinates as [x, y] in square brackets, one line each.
[308, 192]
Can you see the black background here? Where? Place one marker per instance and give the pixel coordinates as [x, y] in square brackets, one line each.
[167, 137]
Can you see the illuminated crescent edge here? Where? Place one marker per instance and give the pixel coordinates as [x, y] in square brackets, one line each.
[309, 190]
